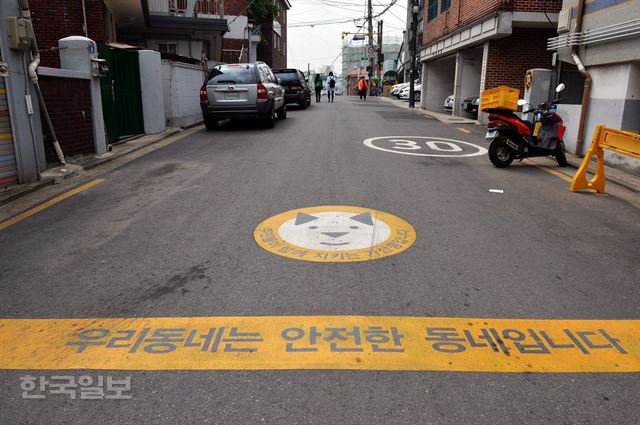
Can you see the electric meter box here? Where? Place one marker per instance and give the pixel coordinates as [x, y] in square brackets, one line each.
[19, 32]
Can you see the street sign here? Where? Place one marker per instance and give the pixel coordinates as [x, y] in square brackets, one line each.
[371, 51]
[358, 37]
[334, 234]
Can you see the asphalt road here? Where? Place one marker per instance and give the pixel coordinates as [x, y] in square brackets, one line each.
[170, 234]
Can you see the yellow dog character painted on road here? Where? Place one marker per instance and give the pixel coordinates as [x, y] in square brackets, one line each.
[335, 234]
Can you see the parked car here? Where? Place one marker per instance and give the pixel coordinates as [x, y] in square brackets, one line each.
[395, 90]
[242, 91]
[417, 89]
[448, 103]
[470, 104]
[295, 86]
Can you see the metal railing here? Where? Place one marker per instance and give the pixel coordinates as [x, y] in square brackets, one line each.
[598, 35]
[188, 8]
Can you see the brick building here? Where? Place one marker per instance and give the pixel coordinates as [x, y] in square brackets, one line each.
[68, 99]
[473, 45]
[273, 51]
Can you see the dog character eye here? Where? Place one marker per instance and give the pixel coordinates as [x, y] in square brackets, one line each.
[364, 218]
[313, 227]
[303, 218]
[355, 227]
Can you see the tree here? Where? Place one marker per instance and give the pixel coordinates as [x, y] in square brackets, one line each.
[262, 11]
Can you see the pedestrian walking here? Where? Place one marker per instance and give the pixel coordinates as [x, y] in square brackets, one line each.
[331, 82]
[317, 83]
[363, 86]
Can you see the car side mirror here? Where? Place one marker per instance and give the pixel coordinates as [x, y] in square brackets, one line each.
[560, 87]
[279, 80]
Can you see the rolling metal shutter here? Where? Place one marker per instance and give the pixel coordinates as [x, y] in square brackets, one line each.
[8, 167]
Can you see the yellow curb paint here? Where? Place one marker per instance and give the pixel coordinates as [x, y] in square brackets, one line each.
[5, 136]
[321, 342]
[50, 202]
[310, 245]
[3, 91]
[464, 130]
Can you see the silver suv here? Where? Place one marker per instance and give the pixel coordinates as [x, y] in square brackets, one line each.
[242, 91]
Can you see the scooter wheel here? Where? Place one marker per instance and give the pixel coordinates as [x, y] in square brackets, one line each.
[560, 156]
[500, 154]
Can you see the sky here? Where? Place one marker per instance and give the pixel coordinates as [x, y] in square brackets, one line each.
[310, 39]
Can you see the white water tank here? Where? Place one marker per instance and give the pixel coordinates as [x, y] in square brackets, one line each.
[76, 53]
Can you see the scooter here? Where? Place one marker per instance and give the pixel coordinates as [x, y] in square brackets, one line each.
[515, 138]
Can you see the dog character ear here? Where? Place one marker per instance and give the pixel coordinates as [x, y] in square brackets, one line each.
[303, 218]
[364, 218]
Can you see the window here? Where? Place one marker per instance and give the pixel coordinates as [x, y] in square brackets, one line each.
[444, 6]
[167, 47]
[432, 10]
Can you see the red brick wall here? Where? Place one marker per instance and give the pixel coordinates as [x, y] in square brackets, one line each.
[56, 19]
[69, 104]
[233, 43]
[464, 12]
[235, 7]
[511, 57]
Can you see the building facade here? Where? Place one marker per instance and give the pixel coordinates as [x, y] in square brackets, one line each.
[273, 47]
[188, 28]
[609, 47]
[473, 45]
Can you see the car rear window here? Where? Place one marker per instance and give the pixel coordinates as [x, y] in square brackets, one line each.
[287, 75]
[233, 74]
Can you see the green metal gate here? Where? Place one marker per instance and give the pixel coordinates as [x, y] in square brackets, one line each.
[121, 95]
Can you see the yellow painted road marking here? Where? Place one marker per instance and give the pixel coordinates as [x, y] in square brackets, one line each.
[49, 203]
[464, 130]
[334, 233]
[5, 136]
[321, 342]
[557, 173]
[3, 91]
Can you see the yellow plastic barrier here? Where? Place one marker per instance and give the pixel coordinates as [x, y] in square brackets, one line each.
[623, 142]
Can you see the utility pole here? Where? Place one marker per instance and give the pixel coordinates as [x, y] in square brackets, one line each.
[370, 19]
[380, 56]
[412, 45]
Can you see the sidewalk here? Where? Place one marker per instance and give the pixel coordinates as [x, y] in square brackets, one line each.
[440, 116]
[613, 175]
[76, 166]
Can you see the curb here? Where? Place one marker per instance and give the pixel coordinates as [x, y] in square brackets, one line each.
[26, 189]
[99, 161]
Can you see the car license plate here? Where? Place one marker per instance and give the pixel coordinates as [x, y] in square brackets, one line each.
[232, 96]
[491, 134]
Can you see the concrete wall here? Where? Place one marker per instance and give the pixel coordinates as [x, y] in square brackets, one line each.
[437, 83]
[181, 90]
[599, 14]
[615, 102]
[152, 91]
[26, 127]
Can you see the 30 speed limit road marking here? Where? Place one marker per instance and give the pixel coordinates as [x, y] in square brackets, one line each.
[425, 146]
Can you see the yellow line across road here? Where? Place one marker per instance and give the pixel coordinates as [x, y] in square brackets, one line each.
[47, 204]
[464, 130]
[321, 342]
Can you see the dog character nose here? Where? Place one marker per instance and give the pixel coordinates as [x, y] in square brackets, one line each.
[334, 234]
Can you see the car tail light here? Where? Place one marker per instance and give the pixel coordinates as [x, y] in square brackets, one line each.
[262, 92]
[203, 93]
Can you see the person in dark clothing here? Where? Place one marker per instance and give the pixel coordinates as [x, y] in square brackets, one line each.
[317, 82]
[331, 82]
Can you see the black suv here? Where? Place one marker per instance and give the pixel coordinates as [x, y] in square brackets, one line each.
[295, 86]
